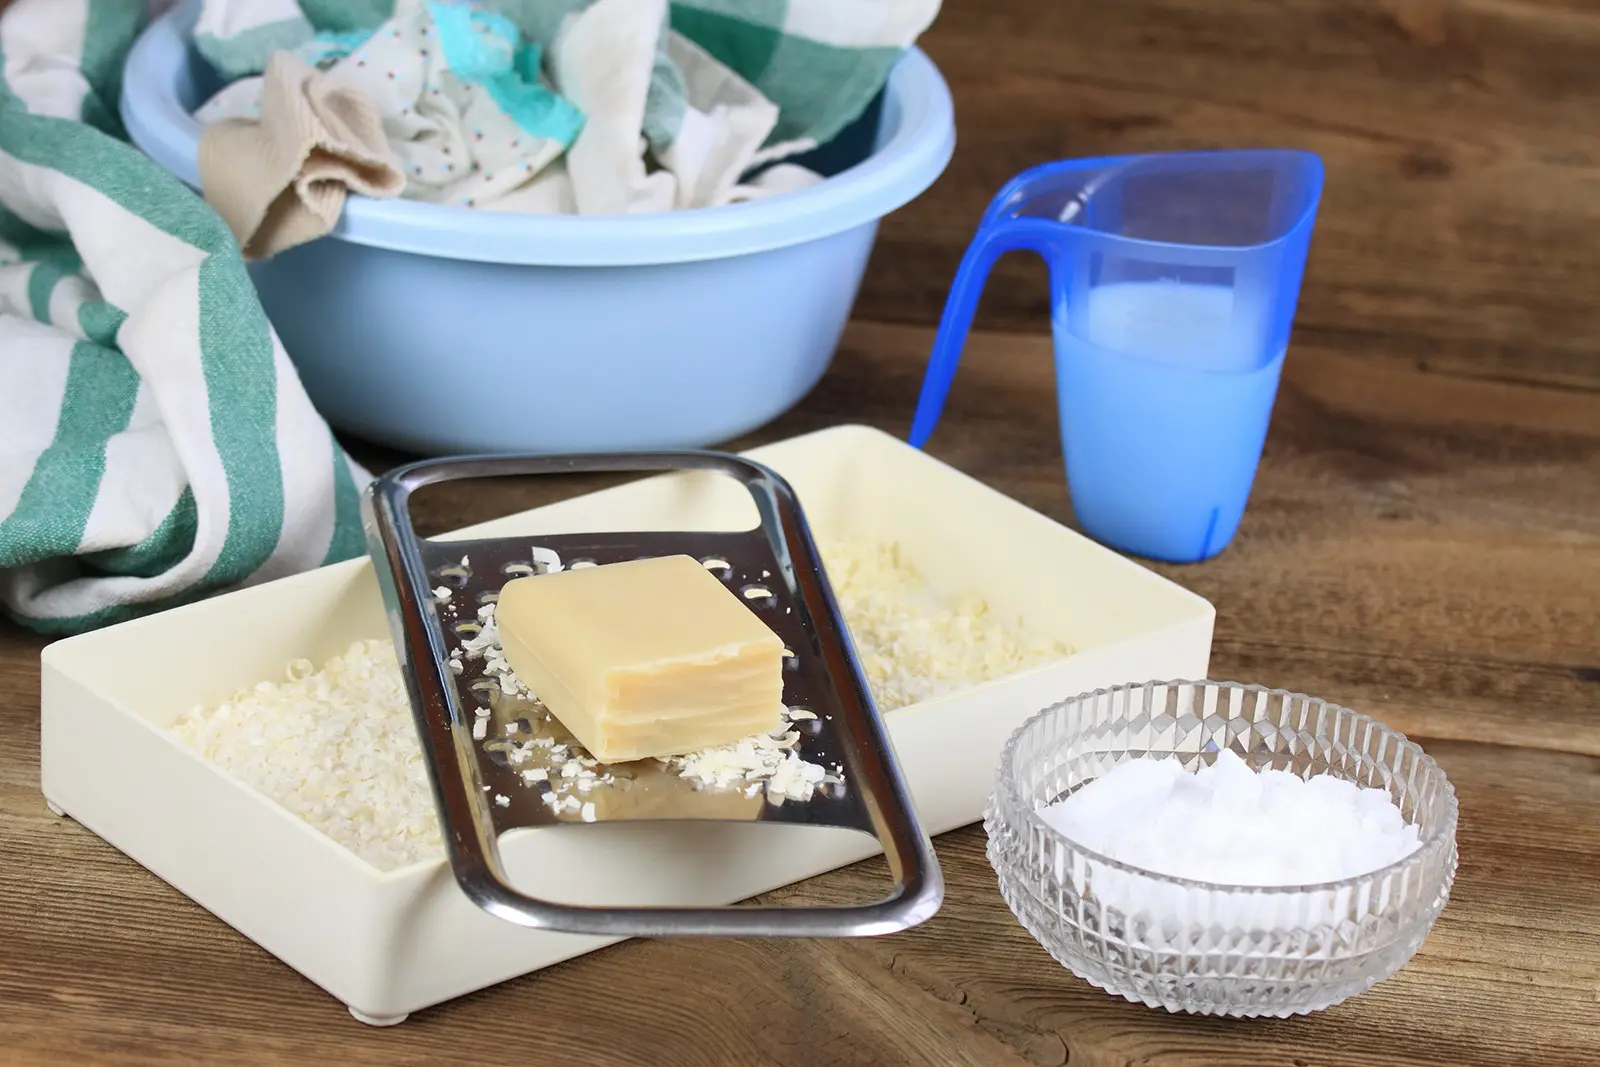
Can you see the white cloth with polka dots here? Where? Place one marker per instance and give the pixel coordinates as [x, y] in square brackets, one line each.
[457, 145]
[448, 135]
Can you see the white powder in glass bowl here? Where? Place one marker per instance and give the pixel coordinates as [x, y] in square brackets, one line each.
[1227, 825]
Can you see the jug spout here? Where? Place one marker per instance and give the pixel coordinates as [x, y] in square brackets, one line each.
[1230, 199]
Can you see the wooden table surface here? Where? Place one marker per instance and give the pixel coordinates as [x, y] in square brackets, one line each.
[1423, 543]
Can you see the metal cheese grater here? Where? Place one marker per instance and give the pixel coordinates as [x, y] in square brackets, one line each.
[479, 740]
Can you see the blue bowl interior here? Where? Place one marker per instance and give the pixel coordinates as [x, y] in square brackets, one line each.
[850, 146]
[200, 84]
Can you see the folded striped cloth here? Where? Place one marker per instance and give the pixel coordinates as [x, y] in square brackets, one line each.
[155, 442]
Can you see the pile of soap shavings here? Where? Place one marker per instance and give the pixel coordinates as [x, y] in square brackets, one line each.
[913, 644]
[766, 761]
[337, 747]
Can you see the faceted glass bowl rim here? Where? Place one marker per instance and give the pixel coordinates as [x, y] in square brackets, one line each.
[1008, 795]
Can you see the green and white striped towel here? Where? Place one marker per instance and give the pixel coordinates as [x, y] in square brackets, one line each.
[820, 61]
[155, 442]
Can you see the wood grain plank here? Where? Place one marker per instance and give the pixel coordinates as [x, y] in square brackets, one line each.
[1460, 225]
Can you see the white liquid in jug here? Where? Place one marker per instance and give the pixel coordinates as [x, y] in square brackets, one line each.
[1201, 327]
[1164, 407]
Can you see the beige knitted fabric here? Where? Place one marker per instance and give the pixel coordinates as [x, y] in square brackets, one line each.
[281, 180]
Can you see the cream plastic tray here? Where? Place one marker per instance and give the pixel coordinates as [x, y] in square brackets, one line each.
[390, 943]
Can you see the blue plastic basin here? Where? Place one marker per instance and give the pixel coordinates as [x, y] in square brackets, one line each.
[440, 330]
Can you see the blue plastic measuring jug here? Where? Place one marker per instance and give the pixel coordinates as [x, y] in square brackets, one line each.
[1173, 284]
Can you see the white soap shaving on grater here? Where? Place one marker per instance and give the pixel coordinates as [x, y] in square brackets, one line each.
[485, 644]
[767, 761]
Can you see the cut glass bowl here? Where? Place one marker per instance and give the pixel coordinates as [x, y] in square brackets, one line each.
[1200, 947]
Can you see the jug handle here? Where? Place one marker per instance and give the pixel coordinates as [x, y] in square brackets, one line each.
[993, 240]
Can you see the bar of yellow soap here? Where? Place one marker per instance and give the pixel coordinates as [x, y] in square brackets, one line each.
[650, 658]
